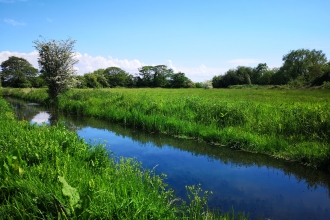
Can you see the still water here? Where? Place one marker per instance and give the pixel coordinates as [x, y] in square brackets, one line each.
[264, 187]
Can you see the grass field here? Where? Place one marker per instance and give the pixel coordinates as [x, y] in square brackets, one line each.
[289, 124]
[49, 173]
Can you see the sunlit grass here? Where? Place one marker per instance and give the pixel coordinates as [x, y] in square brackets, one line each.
[289, 124]
[49, 173]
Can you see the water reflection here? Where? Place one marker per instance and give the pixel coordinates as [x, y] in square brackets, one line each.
[263, 186]
[41, 117]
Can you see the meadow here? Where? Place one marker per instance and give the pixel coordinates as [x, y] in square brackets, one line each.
[47, 172]
[288, 124]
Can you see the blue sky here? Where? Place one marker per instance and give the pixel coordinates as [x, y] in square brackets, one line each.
[200, 38]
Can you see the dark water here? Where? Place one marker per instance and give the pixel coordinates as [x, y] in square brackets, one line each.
[262, 186]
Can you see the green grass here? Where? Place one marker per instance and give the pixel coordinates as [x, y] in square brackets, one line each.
[49, 173]
[288, 124]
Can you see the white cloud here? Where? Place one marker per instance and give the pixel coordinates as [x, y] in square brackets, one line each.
[41, 118]
[243, 62]
[170, 65]
[89, 63]
[31, 57]
[14, 23]
[199, 73]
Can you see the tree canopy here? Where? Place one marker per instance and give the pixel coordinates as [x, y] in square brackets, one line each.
[303, 63]
[116, 77]
[301, 67]
[17, 72]
[56, 60]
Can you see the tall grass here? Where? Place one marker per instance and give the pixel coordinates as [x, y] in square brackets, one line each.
[49, 173]
[289, 124]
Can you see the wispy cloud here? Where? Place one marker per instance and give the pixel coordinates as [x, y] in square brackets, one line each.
[11, 1]
[14, 23]
[243, 62]
[49, 20]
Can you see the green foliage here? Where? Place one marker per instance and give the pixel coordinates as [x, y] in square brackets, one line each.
[179, 80]
[91, 80]
[300, 68]
[17, 72]
[70, 192]
[280, 123]
[161, 76]
[200, 85]
[325, 77]
[266, 77]
[117, 77]
[305, 63]
[326, 85]
[239, 76]
[65, 178]
[38, 82]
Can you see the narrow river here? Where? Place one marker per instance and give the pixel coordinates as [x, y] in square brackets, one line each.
[264, 187]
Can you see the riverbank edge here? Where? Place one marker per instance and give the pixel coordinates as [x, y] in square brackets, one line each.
[313, 154]
[48, 172]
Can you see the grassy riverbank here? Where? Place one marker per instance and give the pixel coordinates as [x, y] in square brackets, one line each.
[49, 173]
[289, 124]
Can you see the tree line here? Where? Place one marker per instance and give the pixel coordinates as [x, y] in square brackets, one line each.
[301, 67]
[148, 76]
[19, 73]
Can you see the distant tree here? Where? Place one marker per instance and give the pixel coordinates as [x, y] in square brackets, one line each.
[207, 84]
[17, 72]
[232, 78]
[56, 60]
[305, 63]
[161, 75]
[38, 82]
[217, 82]
[244, 74]
[198, 85]
[266, 78]
[154, 76]
[117, 77]
[280, 77]
[258, 72]
[81, 82]
[145, 77]
[325, 77]
[99, 71]
[91, 80]
[96, 79]
[179, 80]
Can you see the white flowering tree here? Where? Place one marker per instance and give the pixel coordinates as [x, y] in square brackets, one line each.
[207, 84]
[56, 60]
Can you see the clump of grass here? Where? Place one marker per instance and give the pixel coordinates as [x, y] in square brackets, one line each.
[49, 173]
